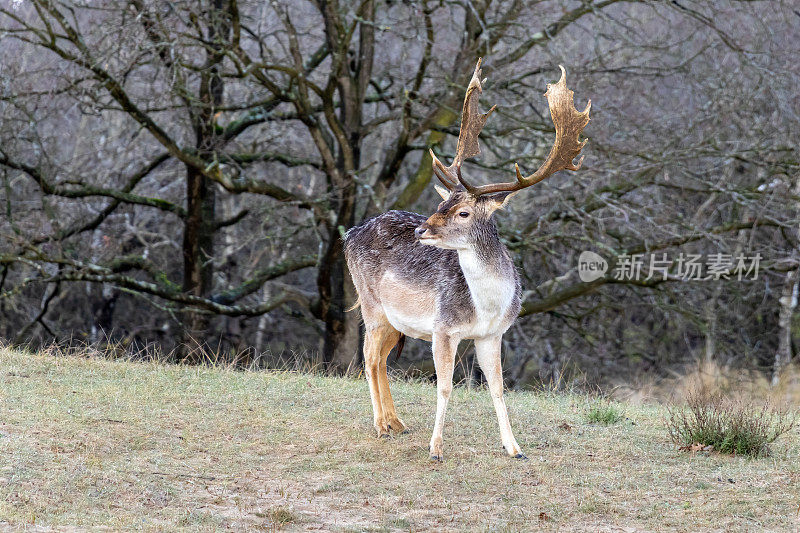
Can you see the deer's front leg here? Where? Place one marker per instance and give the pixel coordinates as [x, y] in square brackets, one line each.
[444, 351]
[488, 353]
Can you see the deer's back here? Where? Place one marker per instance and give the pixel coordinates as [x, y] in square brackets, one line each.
[387, 262]
[387, 242]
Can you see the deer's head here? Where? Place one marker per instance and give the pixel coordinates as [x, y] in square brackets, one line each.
[461, 220]
[465, 214]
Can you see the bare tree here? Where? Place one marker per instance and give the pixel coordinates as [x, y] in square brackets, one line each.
[197, 164]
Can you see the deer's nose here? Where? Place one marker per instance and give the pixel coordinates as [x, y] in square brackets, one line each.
[420, 231]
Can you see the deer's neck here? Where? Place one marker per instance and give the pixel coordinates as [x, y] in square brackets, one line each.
[489, 273]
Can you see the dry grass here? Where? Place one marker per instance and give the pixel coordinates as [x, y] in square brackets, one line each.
[709, 378]
[86, 443]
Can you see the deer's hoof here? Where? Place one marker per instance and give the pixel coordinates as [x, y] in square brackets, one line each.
[521, 456]
[381, 429]
[398, 427]
[436, 458]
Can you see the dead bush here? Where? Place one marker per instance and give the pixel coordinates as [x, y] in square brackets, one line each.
[728, 425]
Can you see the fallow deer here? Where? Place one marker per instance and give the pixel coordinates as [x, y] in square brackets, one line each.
[448, 277]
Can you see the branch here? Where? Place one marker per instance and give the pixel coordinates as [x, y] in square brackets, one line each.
[280, 157]
[262, 276]
[114, 88]
[84, 191]
[38, 318]
[552, 30]
[239, 184]
[93, 273]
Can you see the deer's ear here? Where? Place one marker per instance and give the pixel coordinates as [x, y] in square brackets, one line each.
[444, 193]
[497, 200]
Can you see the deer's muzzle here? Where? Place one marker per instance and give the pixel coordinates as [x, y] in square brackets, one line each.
[421, 231]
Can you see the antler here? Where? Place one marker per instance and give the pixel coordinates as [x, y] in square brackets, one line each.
[472, 122]
[569, 123]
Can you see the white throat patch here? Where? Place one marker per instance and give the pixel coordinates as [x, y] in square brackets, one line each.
[492, 294]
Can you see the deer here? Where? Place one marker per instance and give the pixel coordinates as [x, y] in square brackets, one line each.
[448, 277]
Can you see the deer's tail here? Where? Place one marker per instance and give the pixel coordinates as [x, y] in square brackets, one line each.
[399, 347]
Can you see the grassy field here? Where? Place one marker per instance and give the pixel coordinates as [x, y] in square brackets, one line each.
[91, 444]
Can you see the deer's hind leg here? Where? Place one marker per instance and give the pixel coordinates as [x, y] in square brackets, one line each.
[375, 337]
[389, 413]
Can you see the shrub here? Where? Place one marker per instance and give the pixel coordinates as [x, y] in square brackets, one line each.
[603, 412]
[728, 425]
[280, 516]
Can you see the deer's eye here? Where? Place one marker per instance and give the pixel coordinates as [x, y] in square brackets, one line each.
[463, 214]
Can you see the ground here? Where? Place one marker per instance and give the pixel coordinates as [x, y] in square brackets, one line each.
[87, 443]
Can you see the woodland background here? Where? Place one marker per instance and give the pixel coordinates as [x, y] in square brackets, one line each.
[177, 175]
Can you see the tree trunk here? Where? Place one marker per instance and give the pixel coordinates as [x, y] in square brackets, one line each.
[198, 265]
[788, 303]
[200, 224]
[340, 351]
[103, 314]
[710, 312]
